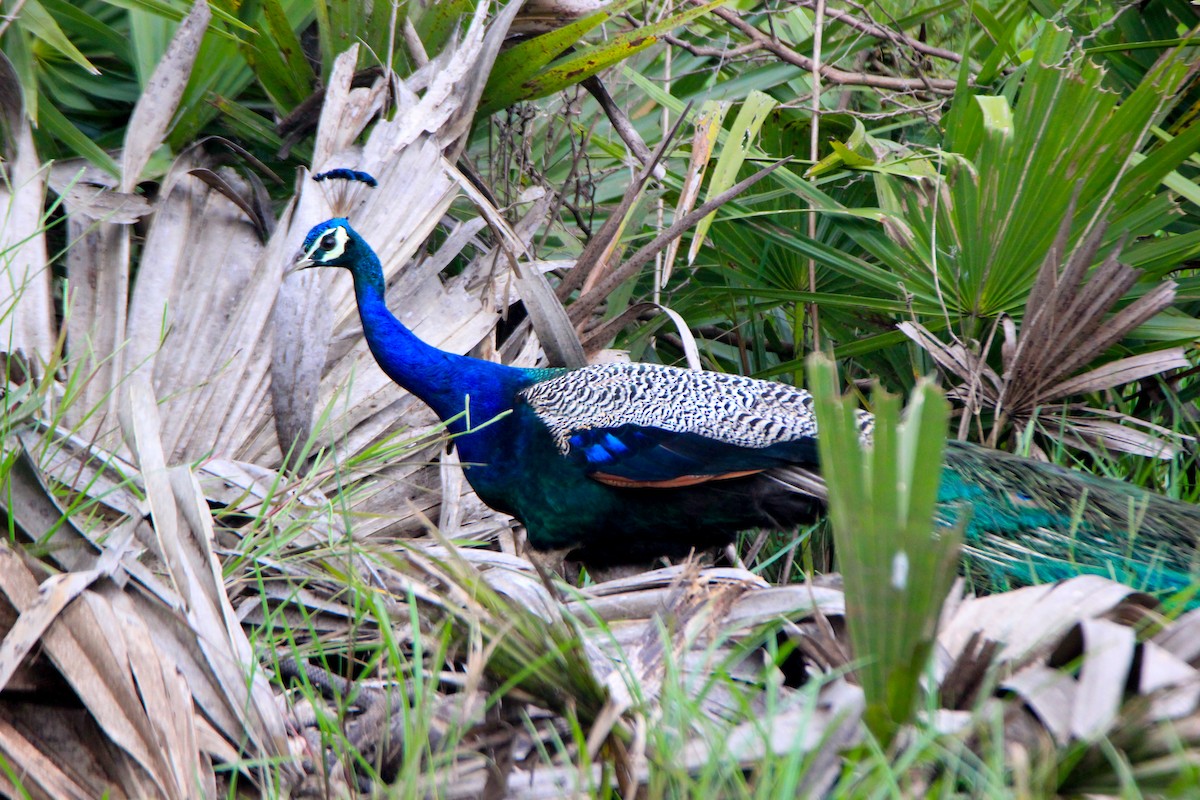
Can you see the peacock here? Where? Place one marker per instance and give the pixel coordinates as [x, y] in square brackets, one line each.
[621, 463]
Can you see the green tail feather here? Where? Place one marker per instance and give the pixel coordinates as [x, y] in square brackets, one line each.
[1031, 522]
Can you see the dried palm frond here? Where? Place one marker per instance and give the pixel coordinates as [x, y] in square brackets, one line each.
[1065, 666]
[148, 659]
[153, 680]
[1069, 322]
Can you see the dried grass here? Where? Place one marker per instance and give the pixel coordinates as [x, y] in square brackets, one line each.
[126, 663]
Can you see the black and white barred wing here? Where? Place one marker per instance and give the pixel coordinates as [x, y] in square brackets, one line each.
[652, 425]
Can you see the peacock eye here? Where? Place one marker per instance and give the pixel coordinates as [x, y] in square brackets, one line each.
[328, 241]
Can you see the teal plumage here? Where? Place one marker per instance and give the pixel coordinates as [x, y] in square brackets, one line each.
[624, 462]
[1032, 522]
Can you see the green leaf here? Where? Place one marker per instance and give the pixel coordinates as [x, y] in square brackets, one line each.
[587, 62]
[1171, 325]
[168, 12]
[1160, 166]
[854, 153]
[83, 26]
[277, 59]
[1157, 44]
[523, 61]
[987, 235]
[831, 300]
[339, 24]
[1001, 34]
[897, 566]
[738, 145]
[39, 22]
[996, 114]
[248, 124]
[18, 49]
[61, 128]
[436, 22]
[1163, 254]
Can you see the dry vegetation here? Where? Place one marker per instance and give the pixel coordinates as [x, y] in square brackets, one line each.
[181, 609]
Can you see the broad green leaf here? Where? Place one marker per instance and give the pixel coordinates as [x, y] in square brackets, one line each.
[1159, 165]
[589, 61]
[248, 124]
[832, 300]
[1163, 254]
[339, 24]
[897, 565]
[279, 59]
[1171, 325]
[61, 128]
[221, 70]
[171, 13]
[83, 25]
[1157, 44]
[842, 156]
[436, 22]
[849, 157]
[1001, 34]
[524, 60]
[996, 114]
[853, 153]
[150, 33]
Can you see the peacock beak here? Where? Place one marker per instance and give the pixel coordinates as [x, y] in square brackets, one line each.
[301, 261]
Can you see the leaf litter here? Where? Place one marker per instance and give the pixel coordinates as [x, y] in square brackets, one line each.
[126, 661]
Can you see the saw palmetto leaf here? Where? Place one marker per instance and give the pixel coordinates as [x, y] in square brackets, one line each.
[897, 568]
[514, 85]
[1069, 322]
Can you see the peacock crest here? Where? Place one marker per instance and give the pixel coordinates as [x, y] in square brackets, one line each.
[343, 188]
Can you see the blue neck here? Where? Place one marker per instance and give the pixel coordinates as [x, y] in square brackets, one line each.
[450, 384]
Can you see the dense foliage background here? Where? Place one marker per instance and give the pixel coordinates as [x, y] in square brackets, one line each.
[1003, 194]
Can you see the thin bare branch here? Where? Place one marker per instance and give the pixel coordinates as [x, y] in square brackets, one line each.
[830, 73]
[588, 302]
[889, 34]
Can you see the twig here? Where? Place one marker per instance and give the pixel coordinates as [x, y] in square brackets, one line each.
[620, 122]
[595, 337]
[702, 51]
[12, 15]
[882, 32]
[589, 259]
[814, 154]
[833, 74]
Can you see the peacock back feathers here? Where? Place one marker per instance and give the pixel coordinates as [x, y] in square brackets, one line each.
[730, 409]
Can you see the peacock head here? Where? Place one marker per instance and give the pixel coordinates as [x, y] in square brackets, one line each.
[333, 243]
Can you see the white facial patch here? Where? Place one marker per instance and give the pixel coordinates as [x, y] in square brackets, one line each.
[340, 238]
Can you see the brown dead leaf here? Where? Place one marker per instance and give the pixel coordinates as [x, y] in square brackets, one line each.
[1069, 322]
[151, 118]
